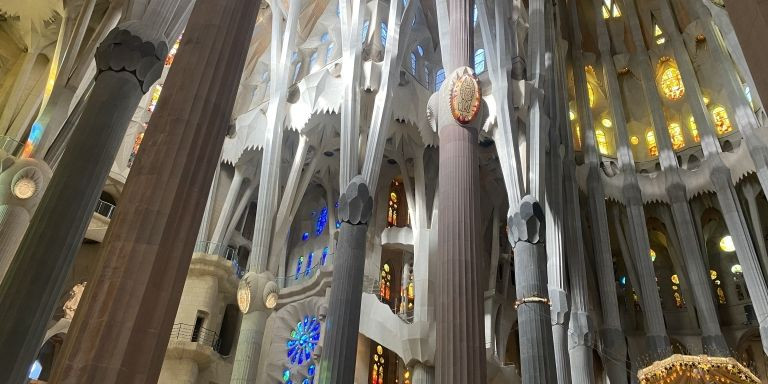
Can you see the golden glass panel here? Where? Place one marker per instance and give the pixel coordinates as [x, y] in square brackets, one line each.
[602, 141]
[721, 120]
[650, 141]
[672, 82]
[676, 135]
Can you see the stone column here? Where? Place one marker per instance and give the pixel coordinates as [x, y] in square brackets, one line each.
[128, 66]
[120, 333]
[750, 21]
[337, 363]
[22, 182]
[422, 374]
[225, 216]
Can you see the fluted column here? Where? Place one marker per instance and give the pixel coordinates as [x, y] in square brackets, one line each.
[423, 374]
[121, 331]
[337, 363]
[127, 66]
[225, 216]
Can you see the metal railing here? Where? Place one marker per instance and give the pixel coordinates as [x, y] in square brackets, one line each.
[222, 250]
[105, 209]
[202, 336]
[11, 146]
[305, 274]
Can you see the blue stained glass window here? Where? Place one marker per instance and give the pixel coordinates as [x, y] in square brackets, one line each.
[480, 61]
[623, 280]
[420, 49]
[305, 236]
[311, 370]
[298, 268]
[439, 78]
[474, 15]
[337, 203]
[312, 60]
[303, 340]
[322, 220]
[413, 63]
[338, 224]
[383, 34]
[286, 375]
[306, 381]
[309, 264]
[325, 255]
[364, 32]
[297, 72]
[324, 37]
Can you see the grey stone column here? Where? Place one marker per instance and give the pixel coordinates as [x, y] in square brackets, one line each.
[422, 374]
[337, 362]
[526, 233]
[22, 182]
[121, 330]
[128, 66]
[248, 350]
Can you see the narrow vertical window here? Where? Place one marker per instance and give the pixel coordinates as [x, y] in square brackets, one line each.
[480, 61]
[383, 35]
[439, 78]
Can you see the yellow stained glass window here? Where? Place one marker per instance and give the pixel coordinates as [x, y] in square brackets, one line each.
[602, 141]
[154, 97]
[675, 279]
[676, 135]
[650, 141]
[721, 120]
[720, 295]
[652, 253]
[591, 93]
[611, 9]
[634, 140]
[172, 52]
[713, 274]
[678, 299]
[577, 129]
[694, 129]
[658, 34]
[671, 82]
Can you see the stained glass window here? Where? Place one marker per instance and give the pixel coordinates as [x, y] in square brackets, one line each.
[298, 268]
[413, 63]
[480, 61]
[325, 255]
[385, 284]
[658, 34]
[439, 78]
[623, 281]
[650, 141]
[296, 72]
[338, 224]
[154, 97]
[383, 34]
[671, 82]
[393, 204]
[312, 60]
[321, 221]
[324, 37]
[329, 53]
[305, 236]
[136, 145]
[720, 295]
[364, 32]
[172, 52]
[602, 141]
[694, 129]
[377, 366]
[577, 129]
[676, 135]
[721, 120]
[652, 254]
[678, 299]
[675, 279]
[426, 76]
[308, 270]
[474, 15]
[303, 340]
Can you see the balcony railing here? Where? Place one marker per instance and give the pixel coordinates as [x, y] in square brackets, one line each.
[202, 336]
[222, 250]
[10, 146]
[305, 274]
[105, 209]
[375, 289]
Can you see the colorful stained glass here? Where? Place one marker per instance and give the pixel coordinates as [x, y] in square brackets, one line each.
[303, 340]
[172, 52]
[602, 141]
[675, 279]
[135, 150]
[676, 135]
[721, 120]
[650, 141]
[154, 97]
[671, 82]
[325, 255]
[694, 129]
[286, 375]
[308, 271]
[720, 295]
[298, 268]
[305, 236]
[321, 221]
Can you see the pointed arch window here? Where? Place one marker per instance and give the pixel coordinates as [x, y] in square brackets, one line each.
[650, 141]
[670, 80]
[312, 60]
[602, 141]
[329, 53]
[658, 34]
[364, 32]
[694, 130]
[298, 268]
[385, 283]
[383, 34]
[480, 61]
[297, 72]
[676, 135]
[721, 120]
[439, 78]
[413, 63]
[474, 15]
[611, 9]
[308, 271]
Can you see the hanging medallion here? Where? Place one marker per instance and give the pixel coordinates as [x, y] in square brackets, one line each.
[465, 98]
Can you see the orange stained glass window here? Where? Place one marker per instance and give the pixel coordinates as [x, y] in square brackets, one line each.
[671, 82]
[172, 52]
[721, 120]
[385, 283]
[154, 97]
[676, 135]
[650, 141]
[694, 129]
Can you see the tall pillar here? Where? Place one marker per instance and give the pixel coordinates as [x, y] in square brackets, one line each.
[337, 363]
[225, 217]
[128, 66]
[120, 333]
[750, 22]
[423, 374]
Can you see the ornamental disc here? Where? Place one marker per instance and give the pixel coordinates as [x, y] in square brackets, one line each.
[465, 98]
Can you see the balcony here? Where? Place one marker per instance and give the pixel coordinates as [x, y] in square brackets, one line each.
[224, 252]
[102, 215]
[195, 343]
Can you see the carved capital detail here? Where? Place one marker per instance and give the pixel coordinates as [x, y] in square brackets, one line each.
[122, 51]
[527, 224]
[356, 203]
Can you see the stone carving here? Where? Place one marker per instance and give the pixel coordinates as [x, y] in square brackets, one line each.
[527, 224]
[356, 204]
[465, 97]
[121, 50]
[74, 300]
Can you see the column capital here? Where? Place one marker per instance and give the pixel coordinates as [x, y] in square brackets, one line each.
[356, 203]
[123, 51]
[527, 224]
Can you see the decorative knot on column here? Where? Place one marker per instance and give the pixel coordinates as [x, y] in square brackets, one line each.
[532, 299]
[527, 224]
[356, 204]
[122, 51]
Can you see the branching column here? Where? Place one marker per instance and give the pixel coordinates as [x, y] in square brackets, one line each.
[337, 363]
[128, 66]
[121, 332]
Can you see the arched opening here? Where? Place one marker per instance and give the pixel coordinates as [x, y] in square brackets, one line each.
[397, 206]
